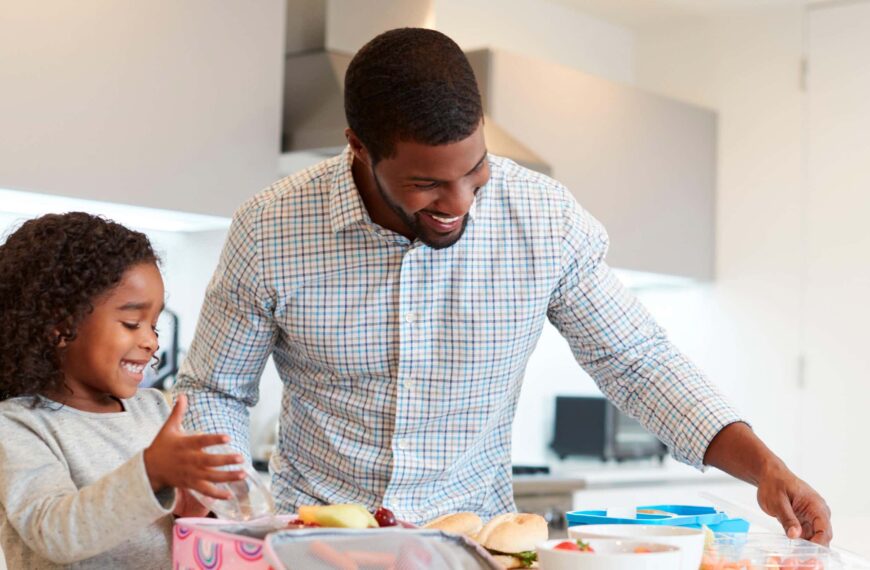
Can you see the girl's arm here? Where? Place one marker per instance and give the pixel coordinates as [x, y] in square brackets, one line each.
[60, 522]
[66, 524]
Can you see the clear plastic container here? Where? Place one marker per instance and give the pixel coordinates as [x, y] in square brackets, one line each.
[774, 552]
[249, 498]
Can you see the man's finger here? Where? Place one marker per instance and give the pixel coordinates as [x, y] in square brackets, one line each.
[822, 531]
[786, 517]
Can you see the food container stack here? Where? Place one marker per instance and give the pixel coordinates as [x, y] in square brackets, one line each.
[763, 551]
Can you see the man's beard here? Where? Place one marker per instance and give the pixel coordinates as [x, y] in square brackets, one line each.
[424, 234]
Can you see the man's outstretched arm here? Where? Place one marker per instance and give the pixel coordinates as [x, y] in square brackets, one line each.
[800, 510]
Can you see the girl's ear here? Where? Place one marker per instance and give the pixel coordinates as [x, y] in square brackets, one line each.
[59, 339]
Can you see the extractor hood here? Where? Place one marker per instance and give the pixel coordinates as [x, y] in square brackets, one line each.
[314, 120]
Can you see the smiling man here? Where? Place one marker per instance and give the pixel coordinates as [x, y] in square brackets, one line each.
[401, 288]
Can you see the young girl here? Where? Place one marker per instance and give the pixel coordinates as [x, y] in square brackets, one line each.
[89, 464]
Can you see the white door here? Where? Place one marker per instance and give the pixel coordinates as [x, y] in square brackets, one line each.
[835, 425]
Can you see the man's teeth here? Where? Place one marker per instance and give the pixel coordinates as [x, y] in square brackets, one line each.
[445, 220]
[133, 367]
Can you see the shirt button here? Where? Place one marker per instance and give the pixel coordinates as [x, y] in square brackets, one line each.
[410, 317]
[408, 384]
[403, 444]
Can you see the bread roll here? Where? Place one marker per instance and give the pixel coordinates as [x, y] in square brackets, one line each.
[468, 524]
[513, 532]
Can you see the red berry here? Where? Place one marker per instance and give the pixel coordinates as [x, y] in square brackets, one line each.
[567, 545]
[385, 517]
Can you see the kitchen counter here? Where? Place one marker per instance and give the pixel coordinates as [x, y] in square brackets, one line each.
[574, 485]
[577, 476]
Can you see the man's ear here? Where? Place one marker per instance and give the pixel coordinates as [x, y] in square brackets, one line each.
[356, 146]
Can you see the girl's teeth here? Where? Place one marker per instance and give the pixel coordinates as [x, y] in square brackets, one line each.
[134, 368]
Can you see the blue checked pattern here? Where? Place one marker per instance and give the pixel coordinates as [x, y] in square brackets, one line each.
[401, 364]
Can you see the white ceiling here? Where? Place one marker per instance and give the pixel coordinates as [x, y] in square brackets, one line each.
[645, 14]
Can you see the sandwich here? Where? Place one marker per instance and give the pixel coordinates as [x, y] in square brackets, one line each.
[468, 524]
[511, 539]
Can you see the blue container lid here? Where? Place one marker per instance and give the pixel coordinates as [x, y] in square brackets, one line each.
[670, 515]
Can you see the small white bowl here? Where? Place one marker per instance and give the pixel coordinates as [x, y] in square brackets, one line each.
[690, 541]
[610, 554]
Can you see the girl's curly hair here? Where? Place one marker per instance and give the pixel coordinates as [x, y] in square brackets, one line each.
[51, 270]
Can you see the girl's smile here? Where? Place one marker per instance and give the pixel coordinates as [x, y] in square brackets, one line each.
[106, 361]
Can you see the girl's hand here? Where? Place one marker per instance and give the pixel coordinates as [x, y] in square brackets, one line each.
[187, 506]
[175, 459]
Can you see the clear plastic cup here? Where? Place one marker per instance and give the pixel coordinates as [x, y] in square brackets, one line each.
[249, 498]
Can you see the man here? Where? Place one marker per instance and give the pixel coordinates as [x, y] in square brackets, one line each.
[401, 287]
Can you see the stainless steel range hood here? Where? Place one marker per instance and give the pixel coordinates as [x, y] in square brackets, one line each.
[314, 120]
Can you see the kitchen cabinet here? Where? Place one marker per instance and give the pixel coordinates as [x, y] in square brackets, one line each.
[165, 104]
[643, 164]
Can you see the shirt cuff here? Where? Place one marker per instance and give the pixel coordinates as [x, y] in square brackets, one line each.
[157, 504]
[702, 426]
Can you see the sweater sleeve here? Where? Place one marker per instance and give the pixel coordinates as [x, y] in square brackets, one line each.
[63, 523]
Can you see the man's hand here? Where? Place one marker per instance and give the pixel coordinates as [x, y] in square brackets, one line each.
[799, 509]
[175, 459]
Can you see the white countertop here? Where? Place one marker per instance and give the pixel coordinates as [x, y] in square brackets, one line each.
[579, 475]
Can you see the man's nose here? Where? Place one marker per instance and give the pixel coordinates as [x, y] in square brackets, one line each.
[456, 198]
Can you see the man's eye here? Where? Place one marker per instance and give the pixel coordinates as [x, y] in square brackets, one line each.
[131, 326]
[429, 186]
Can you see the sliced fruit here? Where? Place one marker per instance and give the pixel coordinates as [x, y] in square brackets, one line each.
[338, 516]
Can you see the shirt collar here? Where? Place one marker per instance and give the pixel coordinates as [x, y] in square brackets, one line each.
[345, 203]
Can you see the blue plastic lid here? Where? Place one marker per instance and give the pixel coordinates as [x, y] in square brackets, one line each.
[670, 515]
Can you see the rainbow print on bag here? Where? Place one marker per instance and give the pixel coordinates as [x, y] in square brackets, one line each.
[208, 554]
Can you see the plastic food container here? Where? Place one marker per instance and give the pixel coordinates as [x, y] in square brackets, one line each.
[249, 498]
[670, 515]
[774, 552]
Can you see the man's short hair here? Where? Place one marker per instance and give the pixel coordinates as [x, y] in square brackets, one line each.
[410, 84]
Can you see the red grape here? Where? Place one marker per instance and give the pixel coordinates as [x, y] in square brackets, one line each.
[385, 517]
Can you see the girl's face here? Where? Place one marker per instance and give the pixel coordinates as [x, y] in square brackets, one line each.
[107, 359]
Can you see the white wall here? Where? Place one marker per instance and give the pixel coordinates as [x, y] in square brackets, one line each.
[745, 64]
[161, 103]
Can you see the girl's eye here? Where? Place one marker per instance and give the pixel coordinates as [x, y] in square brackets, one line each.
[156, 332]
[131, 326]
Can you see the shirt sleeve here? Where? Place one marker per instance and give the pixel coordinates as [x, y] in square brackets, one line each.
[60, 522]
[628, 355]
[234, 338]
